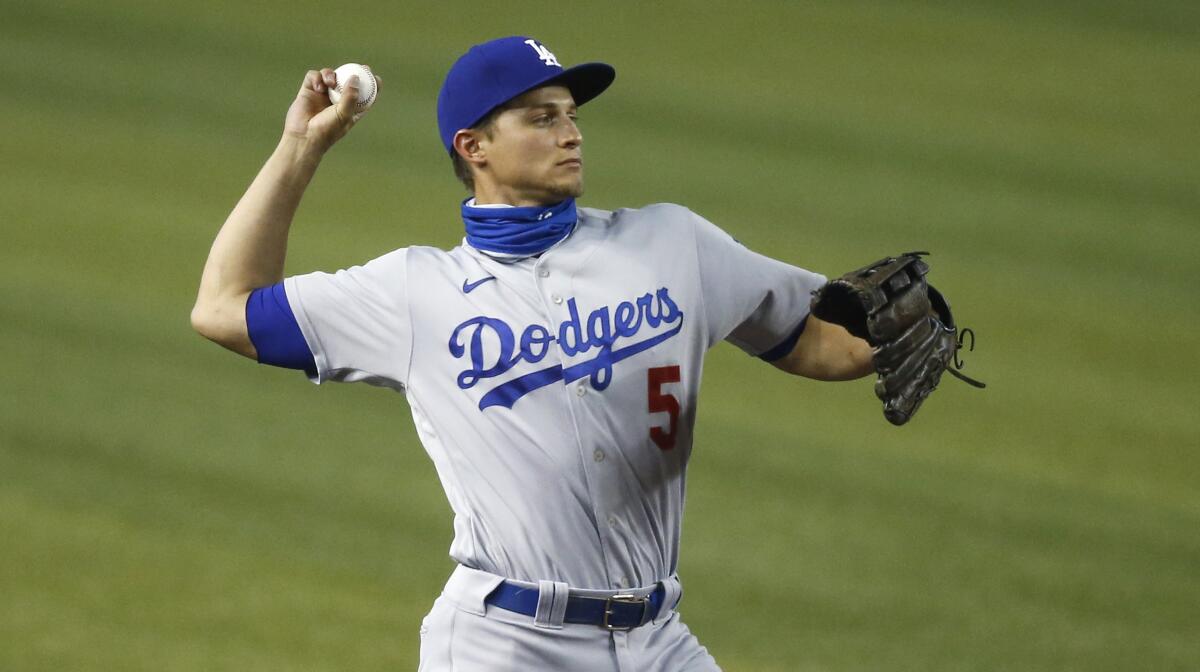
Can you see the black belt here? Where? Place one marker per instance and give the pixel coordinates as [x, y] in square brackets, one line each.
[619, 612]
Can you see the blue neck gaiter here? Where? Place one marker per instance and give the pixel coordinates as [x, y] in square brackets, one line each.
[518, 232]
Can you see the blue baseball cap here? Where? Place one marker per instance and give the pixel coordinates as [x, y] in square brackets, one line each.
[493, 73]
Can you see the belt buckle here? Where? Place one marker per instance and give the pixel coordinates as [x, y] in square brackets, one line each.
[623, 598]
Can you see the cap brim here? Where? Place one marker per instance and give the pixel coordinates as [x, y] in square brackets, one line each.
[585, 81]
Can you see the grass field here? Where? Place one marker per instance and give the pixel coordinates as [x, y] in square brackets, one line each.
[167, 506]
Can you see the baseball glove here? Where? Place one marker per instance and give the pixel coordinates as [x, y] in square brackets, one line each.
[906, 321]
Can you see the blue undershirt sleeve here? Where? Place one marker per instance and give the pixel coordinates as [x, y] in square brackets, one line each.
[785, 348]
[274, 331]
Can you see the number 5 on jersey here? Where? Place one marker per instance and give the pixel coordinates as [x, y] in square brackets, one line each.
[659, 402]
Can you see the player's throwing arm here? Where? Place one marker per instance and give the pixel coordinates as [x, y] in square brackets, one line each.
[250, 249]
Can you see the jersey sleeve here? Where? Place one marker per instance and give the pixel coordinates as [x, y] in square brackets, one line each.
[356, 321]
[755, 302]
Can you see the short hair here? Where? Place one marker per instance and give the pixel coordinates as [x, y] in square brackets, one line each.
[487, 126]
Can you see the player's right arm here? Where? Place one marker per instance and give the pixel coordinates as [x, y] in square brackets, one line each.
[250, 249]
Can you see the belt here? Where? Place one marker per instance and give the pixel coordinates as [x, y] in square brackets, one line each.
[618, 612]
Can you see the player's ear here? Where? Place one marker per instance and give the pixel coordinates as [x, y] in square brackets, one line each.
[467, 144]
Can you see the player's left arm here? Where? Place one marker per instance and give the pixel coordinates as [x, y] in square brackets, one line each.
[826, 351]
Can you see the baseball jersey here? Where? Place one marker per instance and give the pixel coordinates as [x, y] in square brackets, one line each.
[556, 395]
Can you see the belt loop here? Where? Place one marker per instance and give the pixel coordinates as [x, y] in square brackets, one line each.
[671, 597]
[552, 605]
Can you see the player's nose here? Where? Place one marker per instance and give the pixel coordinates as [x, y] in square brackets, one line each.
[571, 136]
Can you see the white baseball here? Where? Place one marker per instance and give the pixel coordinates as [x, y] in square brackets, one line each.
[368, 88]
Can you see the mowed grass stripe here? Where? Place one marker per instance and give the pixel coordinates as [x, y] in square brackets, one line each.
[1012, 566]
[102, 592]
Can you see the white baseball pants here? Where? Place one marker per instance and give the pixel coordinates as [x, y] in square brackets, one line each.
[464, 634]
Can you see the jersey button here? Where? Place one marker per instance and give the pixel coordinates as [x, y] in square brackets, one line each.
[623, 582]
[612, 522]
[556, 298]
[544, 273]
[580, 389]
[598, 455]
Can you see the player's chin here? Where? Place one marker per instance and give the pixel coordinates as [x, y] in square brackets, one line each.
[569, 188]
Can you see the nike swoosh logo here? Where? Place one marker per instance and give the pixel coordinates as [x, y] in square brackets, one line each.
[469, 286]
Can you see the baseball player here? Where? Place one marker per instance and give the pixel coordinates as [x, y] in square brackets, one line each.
[552, 361]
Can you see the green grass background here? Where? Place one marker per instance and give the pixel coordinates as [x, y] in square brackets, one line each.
[165, 505]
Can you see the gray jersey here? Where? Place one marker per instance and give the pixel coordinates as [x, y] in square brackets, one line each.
[557, 395]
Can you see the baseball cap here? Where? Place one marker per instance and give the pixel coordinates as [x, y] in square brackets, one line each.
[495, 72]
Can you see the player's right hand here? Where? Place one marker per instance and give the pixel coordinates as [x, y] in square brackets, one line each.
[314, 119]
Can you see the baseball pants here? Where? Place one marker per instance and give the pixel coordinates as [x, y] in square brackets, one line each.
[464, 634]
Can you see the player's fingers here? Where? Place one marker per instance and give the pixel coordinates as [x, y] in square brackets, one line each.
[312, 81]
[349, 101]
[329, 77]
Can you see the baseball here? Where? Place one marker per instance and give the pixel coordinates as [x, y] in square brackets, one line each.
[368, 88]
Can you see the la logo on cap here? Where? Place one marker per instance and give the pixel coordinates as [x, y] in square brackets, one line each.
[543, 53]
